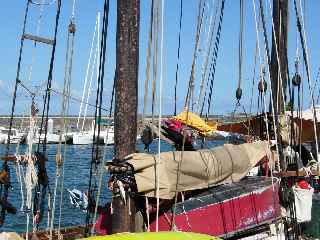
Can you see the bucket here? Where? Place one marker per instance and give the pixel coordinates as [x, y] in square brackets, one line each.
[303, 202]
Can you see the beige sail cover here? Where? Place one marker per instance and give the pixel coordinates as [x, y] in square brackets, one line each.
[198, 169]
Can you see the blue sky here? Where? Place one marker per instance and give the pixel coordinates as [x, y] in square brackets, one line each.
[11, 18]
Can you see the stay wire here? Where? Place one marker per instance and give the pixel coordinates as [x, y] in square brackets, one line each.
[95, 147]
[45, 112]
[178, 58]
[240, 44]
[64, 112]
[17, 77]
[208, 54]
[307, 68]
[4, 192]
[192, 73]
[39, 203]
[215, 56]
[112, 94]
[150, 40]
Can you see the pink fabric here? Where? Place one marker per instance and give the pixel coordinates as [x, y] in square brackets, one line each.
[103, 223]
[174, 125]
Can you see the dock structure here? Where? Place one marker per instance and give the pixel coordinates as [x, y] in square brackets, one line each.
[23, 121]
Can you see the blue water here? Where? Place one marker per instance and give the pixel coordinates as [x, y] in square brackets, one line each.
[77, 167]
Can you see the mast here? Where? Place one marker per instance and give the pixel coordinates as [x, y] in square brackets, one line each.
[126, 102]
[279, 65]
[279, 60]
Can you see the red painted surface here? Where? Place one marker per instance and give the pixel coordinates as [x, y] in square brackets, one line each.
[232, 215]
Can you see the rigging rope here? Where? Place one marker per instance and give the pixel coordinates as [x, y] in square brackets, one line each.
[211, 76]
[146, 85]
[267, 55]
[266, 51]
[87, 72]
[112, 94]
[160, 115]
[208, 53]
[5, 167]
[35, 43]
[42, 3]
[307, 68]
[178, 59]
[60, 160]
[95, 63]
[95, 148]
[155, 59]
[78, 100]
[239, 91]
[280, 73]
[43, 185]
[196, 46]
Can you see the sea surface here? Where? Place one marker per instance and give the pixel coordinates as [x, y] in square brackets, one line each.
[76, 175]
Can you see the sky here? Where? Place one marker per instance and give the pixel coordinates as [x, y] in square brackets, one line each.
[11, 19]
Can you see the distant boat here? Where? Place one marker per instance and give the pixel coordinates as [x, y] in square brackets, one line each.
[86, 137]
[15, 136]
[82, 138]
[2, 137]
[108, 135]
[52, 137]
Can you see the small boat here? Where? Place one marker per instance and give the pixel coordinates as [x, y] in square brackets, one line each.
[82, 138]
[108, 135]
[15, 136]
[2, 136]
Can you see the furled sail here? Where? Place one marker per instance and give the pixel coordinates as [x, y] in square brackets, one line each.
[198, 170]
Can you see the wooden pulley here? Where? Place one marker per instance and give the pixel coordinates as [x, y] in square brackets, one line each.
[4, 177]
[59, 160]
[238, 93]
[72, 28]
[296, 79]
[262, 86]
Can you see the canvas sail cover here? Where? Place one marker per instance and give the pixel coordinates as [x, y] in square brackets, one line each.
[198, 169]
[193, 120]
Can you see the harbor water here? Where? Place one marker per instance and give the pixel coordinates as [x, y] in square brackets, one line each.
[76, 172]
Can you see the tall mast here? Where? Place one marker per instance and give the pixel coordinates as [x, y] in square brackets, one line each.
[126, 101]
[279, 64]
[279, 60]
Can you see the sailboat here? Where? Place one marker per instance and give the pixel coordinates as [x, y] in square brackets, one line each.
[15, 135]
[86, 137]
[193, 191]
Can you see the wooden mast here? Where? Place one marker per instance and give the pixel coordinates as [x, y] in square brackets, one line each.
[126, 101]
[279, 76]
[279, 64]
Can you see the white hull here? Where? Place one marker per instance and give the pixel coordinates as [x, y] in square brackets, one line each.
[108, 136]
[15, 137]
[82, 138]
[52, 138]
[2, 138]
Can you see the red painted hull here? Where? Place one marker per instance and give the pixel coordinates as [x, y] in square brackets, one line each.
[226, 210]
